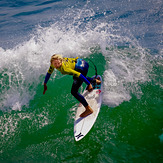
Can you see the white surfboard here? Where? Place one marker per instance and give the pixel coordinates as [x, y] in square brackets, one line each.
[94, 98]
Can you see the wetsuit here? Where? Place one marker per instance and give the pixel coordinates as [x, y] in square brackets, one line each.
[78, 68]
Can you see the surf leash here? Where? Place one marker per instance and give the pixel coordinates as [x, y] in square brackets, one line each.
[95, 68]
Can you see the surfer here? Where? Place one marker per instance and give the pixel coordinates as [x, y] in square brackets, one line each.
[78, 68]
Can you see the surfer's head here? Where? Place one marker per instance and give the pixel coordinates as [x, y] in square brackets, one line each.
[56, 60]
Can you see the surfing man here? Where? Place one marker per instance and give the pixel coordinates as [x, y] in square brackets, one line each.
[78, 68]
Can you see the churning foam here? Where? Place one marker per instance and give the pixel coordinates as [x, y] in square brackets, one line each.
[127, 69]
[22, 68]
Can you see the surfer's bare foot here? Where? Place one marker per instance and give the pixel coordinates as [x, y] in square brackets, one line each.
[87, 112]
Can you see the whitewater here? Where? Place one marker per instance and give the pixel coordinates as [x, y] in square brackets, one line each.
[123, 39]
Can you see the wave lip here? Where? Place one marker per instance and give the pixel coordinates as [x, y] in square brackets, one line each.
[24, 66]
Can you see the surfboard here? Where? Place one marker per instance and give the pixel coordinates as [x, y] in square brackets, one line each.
[94, 98]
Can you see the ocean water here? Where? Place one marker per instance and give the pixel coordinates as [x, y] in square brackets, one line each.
[124, 40]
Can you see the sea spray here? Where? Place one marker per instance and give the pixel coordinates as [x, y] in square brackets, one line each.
[118, 37]
[23, 66]
[127, 69]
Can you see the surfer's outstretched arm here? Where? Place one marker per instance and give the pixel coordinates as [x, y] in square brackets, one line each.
[45, 88]
[45, 81]
[47, 77]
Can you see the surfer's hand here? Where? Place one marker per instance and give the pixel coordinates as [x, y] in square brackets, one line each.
[45, 88]
[90, 88]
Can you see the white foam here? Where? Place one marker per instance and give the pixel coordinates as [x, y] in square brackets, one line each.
[114, 92]
[22, 66]
[10, 122]
[127, 69]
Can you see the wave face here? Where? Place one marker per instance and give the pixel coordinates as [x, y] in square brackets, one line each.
[122, 38]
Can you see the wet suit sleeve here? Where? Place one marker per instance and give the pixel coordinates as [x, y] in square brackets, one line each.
[47, 77]
[81, 77]
[48, 74]
[76, 74]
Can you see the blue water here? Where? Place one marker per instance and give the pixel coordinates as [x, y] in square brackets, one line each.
[143, 19]
[123, 38]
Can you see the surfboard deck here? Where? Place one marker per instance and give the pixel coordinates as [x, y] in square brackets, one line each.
[94, 98]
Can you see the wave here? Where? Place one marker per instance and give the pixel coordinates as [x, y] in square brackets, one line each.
[23, 67]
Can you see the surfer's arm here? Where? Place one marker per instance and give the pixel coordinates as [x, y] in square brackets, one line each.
[76, 74]
[81, 77]
[48, 74]
[47, 77]
[45, 81]
[89, 87]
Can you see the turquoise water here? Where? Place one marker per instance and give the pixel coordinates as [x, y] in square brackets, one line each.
[123, 39]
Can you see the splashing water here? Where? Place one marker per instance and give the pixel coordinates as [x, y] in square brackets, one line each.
[22, 66]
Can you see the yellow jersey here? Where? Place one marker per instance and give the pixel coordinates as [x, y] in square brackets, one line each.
[67, 67]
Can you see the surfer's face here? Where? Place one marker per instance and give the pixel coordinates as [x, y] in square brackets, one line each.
[57, 63]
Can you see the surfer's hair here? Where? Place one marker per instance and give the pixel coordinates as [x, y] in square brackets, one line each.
[56, 56]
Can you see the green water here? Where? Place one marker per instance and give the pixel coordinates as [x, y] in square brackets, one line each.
[42, 131]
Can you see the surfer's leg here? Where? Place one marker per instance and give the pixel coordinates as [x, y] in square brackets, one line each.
[81, 66]
[74, 91]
